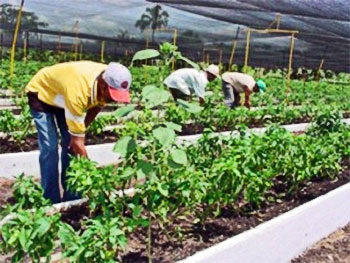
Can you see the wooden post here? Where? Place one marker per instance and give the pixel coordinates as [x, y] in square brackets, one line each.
[208, 61]
[247, 50]
[13, 48]
[278, 20]
[76, 50]
[290, 58]
[147, 40]
[234, 44]
[220, 56]
[41, 41]
[81, 51]
[319, 69]
[174, 43]
[25, 49]
[59, 44]
[102, 50]
[321, 65]
[1, 45]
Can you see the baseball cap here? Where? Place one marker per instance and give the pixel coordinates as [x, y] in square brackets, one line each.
[213, 69]
[118, 78]
[261, 85]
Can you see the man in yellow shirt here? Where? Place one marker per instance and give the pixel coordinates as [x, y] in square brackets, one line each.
[68, 97]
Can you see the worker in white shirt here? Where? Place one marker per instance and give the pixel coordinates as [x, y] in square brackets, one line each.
[234, 83]
[188, 81]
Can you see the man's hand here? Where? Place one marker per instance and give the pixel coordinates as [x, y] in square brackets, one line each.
[247, 104]
[77, 145]
[201, 101]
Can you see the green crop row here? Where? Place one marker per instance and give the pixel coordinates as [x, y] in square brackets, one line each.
[174, 183]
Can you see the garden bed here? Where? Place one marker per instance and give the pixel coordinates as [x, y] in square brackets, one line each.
[29, 143]
[215, 230]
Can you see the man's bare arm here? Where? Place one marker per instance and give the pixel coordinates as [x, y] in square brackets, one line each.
[247, 98]
[91, 115]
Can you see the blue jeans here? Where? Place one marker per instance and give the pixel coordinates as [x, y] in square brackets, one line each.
[231, 97]
[47, 124]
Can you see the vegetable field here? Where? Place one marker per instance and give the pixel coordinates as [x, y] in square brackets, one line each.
[164, 199]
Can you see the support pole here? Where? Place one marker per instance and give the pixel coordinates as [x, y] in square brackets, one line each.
[81, 51]
[208, 60]
[1, 45]
[278, 20]
[76, 50]
[147, 40]
[247, 50]
[321, 64]
[290, 59]
[319, 69]
[220, 56]
[234, 44]
[41, 41]
[59, 44]
[102, 50]
[174, 43]
[13, 48]
[25, 49]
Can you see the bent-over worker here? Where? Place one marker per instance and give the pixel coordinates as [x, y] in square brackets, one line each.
[234, 83]
[67, 97]
[185, 82]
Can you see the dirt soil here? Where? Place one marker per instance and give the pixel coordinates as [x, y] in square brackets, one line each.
[30, 143]
[5, 190]
[333, 249]
[230, 223]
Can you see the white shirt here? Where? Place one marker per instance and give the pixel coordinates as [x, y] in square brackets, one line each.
[188, 81]
[239, 80]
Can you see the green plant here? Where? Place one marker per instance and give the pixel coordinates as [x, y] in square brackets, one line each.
[31, 233]
[325, 122]
[27, 194]
[102, 240]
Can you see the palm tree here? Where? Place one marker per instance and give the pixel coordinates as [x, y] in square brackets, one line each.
[153, 18]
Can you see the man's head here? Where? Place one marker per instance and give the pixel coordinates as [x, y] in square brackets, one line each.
[114, 83]
[260, 86]
[213, 72]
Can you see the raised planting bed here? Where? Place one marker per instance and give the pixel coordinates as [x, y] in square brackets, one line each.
[13, 164]
[286, 236]
[275, 232]
[192, 197]
[29, 143]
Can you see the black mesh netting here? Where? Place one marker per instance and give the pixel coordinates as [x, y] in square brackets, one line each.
[206, 29]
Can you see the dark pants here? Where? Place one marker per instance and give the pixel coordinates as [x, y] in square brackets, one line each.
[48, 124]
[179, 95]
[232, 98]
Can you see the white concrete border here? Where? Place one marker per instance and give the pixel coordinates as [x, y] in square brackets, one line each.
[284, 237]
[7, 102]
[13, 164]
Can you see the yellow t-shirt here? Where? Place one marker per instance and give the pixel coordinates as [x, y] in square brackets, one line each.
[71, 86]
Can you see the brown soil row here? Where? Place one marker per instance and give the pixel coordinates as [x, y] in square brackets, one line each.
[216, 229]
